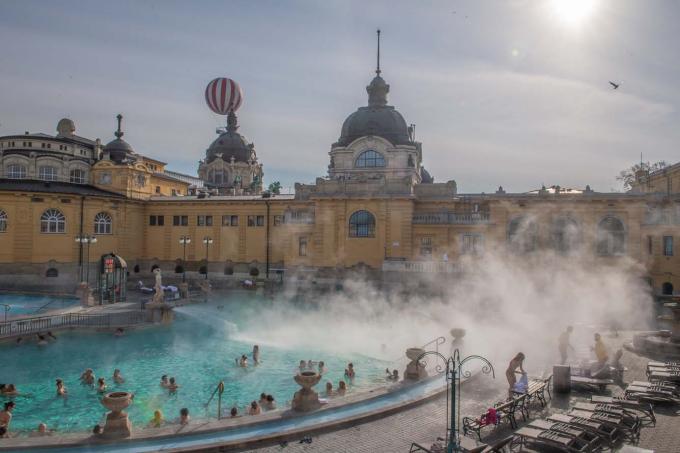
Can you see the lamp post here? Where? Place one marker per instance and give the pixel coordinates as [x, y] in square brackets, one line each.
[453, 374]
[7, 308]
[87, 239]
[184, 240]
[207, 241]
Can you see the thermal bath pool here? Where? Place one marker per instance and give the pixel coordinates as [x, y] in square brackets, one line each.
[198, 349]
[25, 305]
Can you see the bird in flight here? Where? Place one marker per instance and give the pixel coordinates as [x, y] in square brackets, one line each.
[614, 85]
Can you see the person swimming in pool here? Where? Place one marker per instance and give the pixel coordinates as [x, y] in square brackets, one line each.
[256, 355]
[42, 341]
[172, 385]
[117, 377]
[243, 362]
[254, 409]
[87, 377]
[164, 381]
[342, 388]
[303, 366]
[329, 389]
[61, 388]
[157, 419]
[322, 367]
[101, 385]
[8, 390]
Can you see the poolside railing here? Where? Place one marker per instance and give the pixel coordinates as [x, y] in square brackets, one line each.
[26, 326]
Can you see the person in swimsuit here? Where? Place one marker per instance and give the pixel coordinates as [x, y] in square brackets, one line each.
[515, 363]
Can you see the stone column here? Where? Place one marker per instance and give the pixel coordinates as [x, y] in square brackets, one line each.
[562, 378]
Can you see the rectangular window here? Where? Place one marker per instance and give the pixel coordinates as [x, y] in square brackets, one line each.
[426, 246]
[302, 246]
[152, 220]
[278, 220]
[180, 220]
[161, 220]
[650, 245]
[226, 220]
[668, 245]
[251, 220]
[471, 244]
[260, 220]
[204, 220]
[234, 220]
[174, 192]
[158, 189]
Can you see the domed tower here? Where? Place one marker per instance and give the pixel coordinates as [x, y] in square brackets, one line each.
[230, 163]
[118, 150]
[375, 141]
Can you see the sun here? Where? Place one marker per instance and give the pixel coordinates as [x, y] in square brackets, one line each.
[573, 12]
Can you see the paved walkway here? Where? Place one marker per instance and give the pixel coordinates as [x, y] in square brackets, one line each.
[425, 423]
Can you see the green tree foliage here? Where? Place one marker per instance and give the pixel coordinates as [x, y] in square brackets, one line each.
[275, 187]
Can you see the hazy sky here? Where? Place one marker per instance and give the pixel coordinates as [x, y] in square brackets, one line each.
[501, 92]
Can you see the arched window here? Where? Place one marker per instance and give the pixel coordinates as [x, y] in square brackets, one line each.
[102, 223]
[565, 235]
[362, 225]
[522, 235]
[667, 289]
[611, 237]
[52, 221]
[48, 173]
[52, 272]
[3, 221]
[370, 159]
[77, 176]
[16, 171]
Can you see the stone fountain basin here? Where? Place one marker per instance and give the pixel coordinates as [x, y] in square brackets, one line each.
[414, 353]
[117, 401]
[307, 379]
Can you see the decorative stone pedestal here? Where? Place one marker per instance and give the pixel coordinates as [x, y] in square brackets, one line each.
[663, 344]
[84, 293]
[415, 370]
[306, 399]
[117, 423]
[562, 378]
[159, 312]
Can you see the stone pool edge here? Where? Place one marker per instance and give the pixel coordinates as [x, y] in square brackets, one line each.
[176, 431]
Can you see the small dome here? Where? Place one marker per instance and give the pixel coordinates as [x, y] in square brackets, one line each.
[425, 176]
[118, 149]
[230, 144]
[66, 126]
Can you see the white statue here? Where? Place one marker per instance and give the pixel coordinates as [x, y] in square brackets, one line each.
[158, 287]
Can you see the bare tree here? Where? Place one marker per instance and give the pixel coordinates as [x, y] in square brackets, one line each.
[627, 176]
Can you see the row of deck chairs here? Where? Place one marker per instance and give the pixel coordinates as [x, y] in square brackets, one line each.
[663, 371]
[509, 410]
[588, 427]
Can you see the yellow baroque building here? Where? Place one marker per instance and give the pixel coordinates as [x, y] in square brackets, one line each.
[377, 209]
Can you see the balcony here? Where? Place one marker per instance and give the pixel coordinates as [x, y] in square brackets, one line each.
[451, 218]
[430, 267]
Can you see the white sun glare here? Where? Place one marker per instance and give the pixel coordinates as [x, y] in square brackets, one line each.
[573, 12]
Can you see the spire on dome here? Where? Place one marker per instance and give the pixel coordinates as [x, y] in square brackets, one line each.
[119, 133]
[378, 88]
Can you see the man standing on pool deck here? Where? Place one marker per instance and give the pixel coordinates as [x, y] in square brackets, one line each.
[563, 344]
[6, 418]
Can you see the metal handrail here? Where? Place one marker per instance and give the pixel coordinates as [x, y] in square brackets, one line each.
[25, 326]
[219, 390]
[437, 342]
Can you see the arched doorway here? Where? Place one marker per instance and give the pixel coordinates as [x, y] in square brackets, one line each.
[667, 289]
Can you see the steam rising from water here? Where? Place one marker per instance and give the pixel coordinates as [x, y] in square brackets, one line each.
[506, 303]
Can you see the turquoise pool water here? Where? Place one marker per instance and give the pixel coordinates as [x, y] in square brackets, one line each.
[22, 305]
[198, 349]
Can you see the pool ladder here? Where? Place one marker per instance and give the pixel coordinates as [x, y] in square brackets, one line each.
[219, 390]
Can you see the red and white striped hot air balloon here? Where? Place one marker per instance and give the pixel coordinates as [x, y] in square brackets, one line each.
[223, 95]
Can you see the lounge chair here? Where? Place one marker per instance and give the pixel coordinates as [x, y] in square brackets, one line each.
[610, 434]
[629, 427]
[652, 393]
[594, 441]
[505, 411]
[628, 418]
[535, 392]
[554, 440]
[668, 376]
[591, 383]
[644, 410]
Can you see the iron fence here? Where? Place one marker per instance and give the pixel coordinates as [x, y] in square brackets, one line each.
[26, 326]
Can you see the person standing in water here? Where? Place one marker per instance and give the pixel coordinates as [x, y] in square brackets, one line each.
[256, 355]
[515, 363]
[563, 344]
